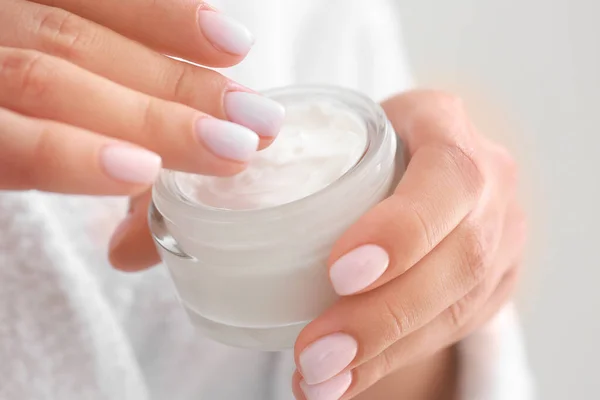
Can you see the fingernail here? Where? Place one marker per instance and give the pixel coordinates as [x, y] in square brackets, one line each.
[332, 389]
[130, 164]
[358, 269]
[120, 232]
[261, 114]
[327, 357]
[226, 139]
[225, 33]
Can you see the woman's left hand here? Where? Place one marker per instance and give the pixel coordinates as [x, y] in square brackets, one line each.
[426, 266]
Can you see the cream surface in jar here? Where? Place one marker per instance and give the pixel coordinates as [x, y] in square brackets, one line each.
[318, 143]
[248, 253]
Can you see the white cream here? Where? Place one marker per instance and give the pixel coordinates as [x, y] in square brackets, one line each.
[319, 142]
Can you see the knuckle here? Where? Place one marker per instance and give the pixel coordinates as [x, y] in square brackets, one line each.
[365, 376]
[181, 90]
[458, 313]
[388, 363]
[184, 88]
[418, 224]
[38, 161]
[26, 73]
[398, 319]
[149, 120]
[476, 252]
[64, 34]
[470, 174]
[42, 159]
[463, 310]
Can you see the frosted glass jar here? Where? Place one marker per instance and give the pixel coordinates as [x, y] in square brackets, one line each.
[255, 278]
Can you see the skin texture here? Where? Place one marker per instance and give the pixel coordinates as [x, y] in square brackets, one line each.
[73, 82]
[433, 377]
[455, 234]
[92, 72]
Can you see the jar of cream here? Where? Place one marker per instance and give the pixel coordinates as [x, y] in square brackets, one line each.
[248, 253]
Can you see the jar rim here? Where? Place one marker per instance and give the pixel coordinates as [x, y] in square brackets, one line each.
[165, 190]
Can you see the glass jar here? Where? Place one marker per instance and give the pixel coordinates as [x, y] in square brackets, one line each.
[255, 278]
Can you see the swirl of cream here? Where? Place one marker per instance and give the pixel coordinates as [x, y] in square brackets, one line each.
[319, 142]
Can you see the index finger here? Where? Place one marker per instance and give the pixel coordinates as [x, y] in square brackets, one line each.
[97, 49]
[189, 29]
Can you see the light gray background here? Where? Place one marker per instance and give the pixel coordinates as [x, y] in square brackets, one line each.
[540, 60]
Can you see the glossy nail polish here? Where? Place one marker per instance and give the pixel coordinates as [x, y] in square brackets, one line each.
[327, 357]
[332, 389]
[261, 114]
[225, 33]
[130, 164]
[226, 139]
[358, 269]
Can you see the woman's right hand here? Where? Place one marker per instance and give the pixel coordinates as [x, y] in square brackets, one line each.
[90, 105]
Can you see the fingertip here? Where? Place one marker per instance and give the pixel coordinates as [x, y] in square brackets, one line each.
[131, 247]
[334, 388]
[130, 164]
[120, 232]
[227, 140]
[256, 112]
[358, 269]
[265, 142]
[130, 256]
[224, 33]
[296, 389]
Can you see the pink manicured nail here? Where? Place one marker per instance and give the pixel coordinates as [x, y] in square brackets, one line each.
[225, 33]
[261, 114]
[227, 139]
[327, 357]
[130, 164]
[358, 269]
[332, 389]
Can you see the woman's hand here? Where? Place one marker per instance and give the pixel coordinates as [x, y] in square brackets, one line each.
[426, 266]
[89, 105]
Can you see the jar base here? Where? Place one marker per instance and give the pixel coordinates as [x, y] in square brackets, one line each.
[277, 338]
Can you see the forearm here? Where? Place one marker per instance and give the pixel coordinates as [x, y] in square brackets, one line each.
[434, 378]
